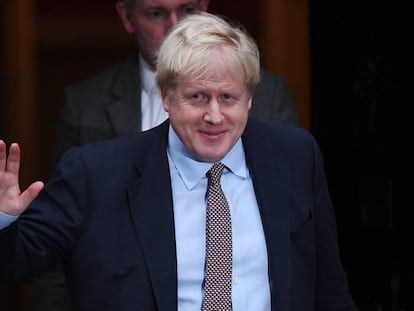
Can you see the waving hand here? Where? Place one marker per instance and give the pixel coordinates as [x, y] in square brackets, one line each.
[12, 200]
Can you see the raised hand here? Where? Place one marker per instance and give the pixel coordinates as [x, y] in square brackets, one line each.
[12, 200]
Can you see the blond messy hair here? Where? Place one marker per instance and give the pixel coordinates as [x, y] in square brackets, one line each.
[201, 42]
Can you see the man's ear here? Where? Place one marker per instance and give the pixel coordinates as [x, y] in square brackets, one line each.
[125, 17]
[204, 5]
[249, 105]
[164, 98]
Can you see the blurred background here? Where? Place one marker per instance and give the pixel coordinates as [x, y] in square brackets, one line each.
[349, 67]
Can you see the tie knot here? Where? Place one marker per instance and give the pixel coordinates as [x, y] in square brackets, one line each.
[214, 173]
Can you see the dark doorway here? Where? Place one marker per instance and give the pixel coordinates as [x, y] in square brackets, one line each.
[362, 73]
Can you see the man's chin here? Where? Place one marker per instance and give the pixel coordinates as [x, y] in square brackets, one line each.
[211, 156]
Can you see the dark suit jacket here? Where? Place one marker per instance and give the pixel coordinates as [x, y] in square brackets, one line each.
[107, 105]
[107, 213]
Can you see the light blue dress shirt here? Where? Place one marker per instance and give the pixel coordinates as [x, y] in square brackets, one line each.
[250, 288]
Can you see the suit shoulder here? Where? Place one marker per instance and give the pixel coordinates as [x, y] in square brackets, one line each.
[270, 86]
[271, 77]
[280, 135]
[103, 81]
[105, 150]
[118, 81]
[126, 144]
[278, 128]
[98, 81]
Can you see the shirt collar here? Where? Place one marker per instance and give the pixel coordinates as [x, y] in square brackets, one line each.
[192, 171]
[147, 75]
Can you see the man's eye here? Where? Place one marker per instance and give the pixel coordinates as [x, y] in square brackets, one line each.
[187, 11]
[197, 98]
[226, 97]
[155, 15]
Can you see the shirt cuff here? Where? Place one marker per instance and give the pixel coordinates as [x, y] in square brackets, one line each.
[6, 220]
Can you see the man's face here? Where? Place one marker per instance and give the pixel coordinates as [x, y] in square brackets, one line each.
[209, 114]
[150, 20]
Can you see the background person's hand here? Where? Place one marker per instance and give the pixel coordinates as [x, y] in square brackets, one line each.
[12, 200]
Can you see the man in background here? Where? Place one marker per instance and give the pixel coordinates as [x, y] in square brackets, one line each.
[124, 98]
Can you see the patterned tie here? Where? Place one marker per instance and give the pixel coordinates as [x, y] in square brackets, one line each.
[217, 292]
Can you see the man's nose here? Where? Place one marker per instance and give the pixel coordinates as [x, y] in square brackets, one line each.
[213, 113]
[172, 20]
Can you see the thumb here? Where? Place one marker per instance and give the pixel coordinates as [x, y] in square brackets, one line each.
[30, 194]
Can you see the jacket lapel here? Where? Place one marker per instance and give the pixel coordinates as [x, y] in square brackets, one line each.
[152, 212]
[272, 190]
[124, 111]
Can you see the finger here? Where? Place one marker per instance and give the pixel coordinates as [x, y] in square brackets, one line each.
[31, 193]
[13, 160]
[2, 156]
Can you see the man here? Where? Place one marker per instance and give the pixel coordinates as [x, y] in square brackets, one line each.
[127, 216]
[123, 99]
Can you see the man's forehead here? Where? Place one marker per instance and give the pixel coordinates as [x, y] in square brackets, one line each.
[166, 3]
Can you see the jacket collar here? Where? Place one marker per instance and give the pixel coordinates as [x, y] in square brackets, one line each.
[124, 111]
